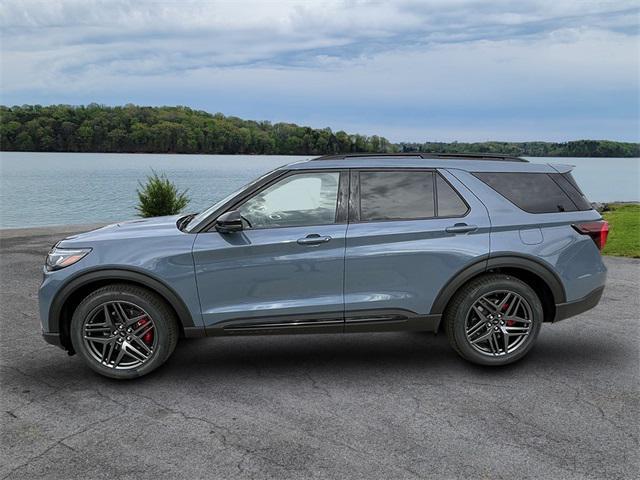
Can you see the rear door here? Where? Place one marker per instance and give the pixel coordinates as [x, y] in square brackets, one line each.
[410, 231]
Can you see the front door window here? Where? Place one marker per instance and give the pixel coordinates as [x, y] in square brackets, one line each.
[297, 200]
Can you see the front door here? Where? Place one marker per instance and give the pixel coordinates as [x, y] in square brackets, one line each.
[284, 271]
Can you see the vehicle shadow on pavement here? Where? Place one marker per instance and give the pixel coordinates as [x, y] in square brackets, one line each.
[368, 355]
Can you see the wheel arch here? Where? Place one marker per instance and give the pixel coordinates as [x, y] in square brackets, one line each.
[72, 293]
[536, 274]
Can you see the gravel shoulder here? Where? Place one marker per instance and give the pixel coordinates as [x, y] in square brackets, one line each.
[358, 406]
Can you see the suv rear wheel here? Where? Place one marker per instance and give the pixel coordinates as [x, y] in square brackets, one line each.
[123, 331]
[494, 320]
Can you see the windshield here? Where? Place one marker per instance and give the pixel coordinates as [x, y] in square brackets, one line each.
[200, 217]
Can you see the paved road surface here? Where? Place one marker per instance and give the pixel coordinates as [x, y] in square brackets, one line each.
[360, 406]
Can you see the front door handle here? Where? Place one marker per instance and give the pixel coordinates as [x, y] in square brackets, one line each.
[461, 228]
[313, 239]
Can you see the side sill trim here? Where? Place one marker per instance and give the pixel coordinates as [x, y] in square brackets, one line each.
[571, 309]
[336, 326]
[326, 322]
[422, 323]
[356, 321]
[261, 326]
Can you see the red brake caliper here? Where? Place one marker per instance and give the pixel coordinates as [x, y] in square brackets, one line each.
[510, 323]
[147, 337]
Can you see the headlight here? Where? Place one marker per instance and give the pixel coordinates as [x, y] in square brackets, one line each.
[63, 257]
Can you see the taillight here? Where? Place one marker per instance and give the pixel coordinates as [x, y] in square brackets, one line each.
[598, 231]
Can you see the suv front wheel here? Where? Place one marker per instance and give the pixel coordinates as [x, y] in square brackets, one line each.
[123, 331]
[494, 320]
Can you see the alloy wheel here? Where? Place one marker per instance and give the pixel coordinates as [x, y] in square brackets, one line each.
[498, 323]
[120, 335]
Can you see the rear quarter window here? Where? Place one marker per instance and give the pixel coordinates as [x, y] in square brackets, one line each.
[537, 192]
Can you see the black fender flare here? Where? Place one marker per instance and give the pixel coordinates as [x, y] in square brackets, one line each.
[522, 262]
[115, 275]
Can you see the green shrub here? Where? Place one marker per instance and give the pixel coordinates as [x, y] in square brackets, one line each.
[159, 197]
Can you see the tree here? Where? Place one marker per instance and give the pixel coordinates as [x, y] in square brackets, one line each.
[159, 197]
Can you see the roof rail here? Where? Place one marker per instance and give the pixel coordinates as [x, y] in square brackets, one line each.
[454, 156]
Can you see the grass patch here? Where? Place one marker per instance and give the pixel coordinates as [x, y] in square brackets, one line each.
[624, 233]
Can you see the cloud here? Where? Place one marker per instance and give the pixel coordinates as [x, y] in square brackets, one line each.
[452, 67]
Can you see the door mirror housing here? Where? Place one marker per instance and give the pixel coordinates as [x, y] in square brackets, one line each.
[229, 222]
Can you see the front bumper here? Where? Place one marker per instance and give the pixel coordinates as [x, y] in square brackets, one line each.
[571, 309]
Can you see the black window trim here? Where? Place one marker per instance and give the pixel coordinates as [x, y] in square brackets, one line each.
[341, 200]
[548, 174]
[554, 177]
[354, 197]
[572, 181]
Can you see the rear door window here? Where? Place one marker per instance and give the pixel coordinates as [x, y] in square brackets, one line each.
[536, 192]
[396, 195]
[407, 195]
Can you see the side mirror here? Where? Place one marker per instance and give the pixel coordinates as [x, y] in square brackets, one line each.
[229, 222]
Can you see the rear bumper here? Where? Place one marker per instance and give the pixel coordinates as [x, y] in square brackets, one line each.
[570, 309]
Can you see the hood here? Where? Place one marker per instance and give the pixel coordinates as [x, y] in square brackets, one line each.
[156, 226]
[147, 223]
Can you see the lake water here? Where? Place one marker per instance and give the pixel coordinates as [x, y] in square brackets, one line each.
[38, 189]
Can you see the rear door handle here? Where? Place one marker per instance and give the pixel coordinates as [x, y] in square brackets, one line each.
[313, 239]
[461, 228]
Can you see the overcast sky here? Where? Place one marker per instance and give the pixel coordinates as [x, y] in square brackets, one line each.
[409, 70]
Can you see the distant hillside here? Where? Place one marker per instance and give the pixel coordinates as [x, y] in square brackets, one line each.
[135, 129]
[577, 148]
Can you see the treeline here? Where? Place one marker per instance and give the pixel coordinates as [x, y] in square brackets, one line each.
[135, 129]
[577, 148]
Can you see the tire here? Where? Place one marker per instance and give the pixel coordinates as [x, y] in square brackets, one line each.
[96, 333]
[480, 322]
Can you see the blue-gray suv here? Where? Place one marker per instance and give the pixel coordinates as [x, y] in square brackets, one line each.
[483, 247]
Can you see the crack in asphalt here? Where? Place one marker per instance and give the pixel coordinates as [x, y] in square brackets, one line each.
[39, 380]
[241, 446]
[315, 384]
[60, 442]
[38, 398]
[186, 416]
[579, 398]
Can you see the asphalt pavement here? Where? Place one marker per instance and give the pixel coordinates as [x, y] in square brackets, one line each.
[356, 406]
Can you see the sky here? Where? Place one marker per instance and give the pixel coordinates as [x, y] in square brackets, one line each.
[431, 70]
